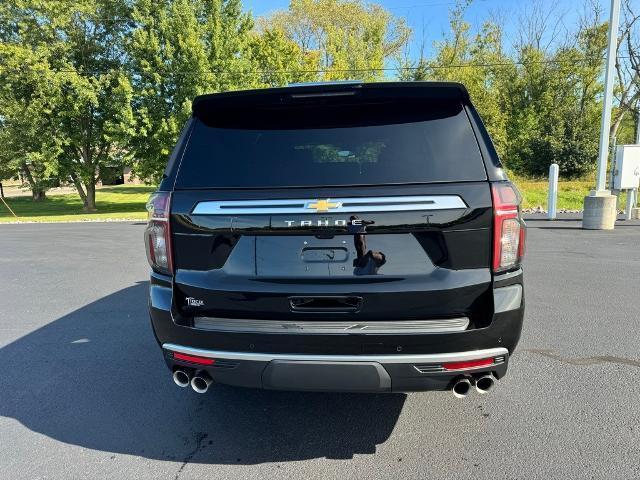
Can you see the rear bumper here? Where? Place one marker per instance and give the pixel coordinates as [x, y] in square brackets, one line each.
[340, 362]
[338, 373]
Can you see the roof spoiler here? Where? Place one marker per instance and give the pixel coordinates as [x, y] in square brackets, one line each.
[382, 91]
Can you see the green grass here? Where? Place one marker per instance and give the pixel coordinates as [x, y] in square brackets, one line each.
[570, 193]
[119, 202]
[127, 202]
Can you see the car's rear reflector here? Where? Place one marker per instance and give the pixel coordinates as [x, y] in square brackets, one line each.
[485, 362]
[193, 359]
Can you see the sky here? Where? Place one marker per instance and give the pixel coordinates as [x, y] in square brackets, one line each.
[429, 18]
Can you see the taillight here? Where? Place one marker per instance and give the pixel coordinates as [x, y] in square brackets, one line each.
[157, 235]
[508, 227]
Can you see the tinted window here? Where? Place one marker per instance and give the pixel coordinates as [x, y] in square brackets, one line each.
[332, 145]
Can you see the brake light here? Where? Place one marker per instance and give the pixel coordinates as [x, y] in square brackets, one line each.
[508, 227]
[157, 235]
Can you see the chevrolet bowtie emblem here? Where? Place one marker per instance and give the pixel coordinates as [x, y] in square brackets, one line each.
[321, 206]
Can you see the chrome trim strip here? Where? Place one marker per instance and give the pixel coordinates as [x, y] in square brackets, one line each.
[338, 205]
[316, 327]
[400, 358]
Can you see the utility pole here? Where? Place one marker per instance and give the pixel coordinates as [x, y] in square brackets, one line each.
[600, 206]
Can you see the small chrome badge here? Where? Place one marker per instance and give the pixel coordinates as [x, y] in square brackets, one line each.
[323, 206]
[194, 302]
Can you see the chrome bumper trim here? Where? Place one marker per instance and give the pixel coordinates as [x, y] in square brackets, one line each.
[400, 358]
[338, 327]
[329, 205]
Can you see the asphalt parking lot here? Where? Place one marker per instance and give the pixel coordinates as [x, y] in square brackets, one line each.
[84, 392]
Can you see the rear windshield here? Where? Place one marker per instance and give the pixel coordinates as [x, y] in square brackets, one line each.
[331, 146]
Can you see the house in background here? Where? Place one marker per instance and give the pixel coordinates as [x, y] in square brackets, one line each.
[118, 176]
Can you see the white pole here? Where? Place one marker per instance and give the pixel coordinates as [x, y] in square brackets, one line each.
[632, 195]
[609, 80]
[552, 201]
[631, 203]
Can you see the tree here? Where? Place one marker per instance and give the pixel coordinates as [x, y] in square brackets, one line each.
[179, 49]
[280, 60]
[348, 38]
[554, 94]
[27, 87]
[540, 100]
[477, 61]
[84, 97]
[552, 104]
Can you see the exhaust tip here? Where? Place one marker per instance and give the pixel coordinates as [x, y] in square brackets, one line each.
[485, 383]
[181, 378]
[461, 388]
[200, 383]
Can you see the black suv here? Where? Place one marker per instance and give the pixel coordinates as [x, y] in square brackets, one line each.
[336, 237]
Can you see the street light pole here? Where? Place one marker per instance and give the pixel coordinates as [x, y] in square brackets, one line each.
[609, 80]
[600, 206]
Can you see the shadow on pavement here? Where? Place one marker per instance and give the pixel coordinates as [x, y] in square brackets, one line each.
[96, 378]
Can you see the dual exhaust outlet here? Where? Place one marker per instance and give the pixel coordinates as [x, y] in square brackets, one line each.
[200, 381]
[483, 383]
